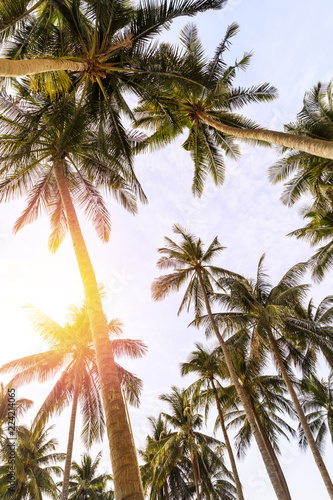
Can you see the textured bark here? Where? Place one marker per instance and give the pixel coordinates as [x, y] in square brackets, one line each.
[196, 472]
[276, 483]
[228, 445]
[69, 453]
[307, 431]
[270, 449]
[315, 147]
[125, 467]
[33, 66]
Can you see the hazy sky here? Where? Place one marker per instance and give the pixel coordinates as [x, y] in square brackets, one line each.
[292, 47]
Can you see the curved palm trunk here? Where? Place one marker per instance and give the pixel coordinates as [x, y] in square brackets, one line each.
[22, 67]
[69, 453]
[228, 445]
[276, 483]
[307, 431]
[315, 147]
[270, 449]
[125, 467]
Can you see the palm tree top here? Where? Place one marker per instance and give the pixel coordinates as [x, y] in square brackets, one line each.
[191, 262]
[303, 173]
[85, 481]
[178, 108]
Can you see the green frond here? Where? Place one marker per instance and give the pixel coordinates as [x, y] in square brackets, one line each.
[150, 17]
[217, 66]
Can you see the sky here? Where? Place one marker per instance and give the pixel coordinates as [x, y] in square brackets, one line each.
[292, 49]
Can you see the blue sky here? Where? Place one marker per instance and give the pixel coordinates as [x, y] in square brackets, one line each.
[291, 50]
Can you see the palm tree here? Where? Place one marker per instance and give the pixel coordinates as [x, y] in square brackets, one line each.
[20, 407]
[193, 265]
[209, 110]
[271, 315]
[35, 457]
[320, 319]
[100, 36]
[186, 440]
[84, 482]
[317, 403]
[72, 352]
[206, 365]
[308, 174]
[71, 160]
[163, 479]
[319, 229]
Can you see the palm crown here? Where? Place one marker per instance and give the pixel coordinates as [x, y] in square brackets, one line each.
[72, 352]
[85, 482]
[191, 263]
[38, 132]
[35, 464]
[304, 174]
[177, 110]
[310, 174]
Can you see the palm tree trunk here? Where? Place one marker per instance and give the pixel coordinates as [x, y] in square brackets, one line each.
[276, 483]
[307, 431]
[22, 67]
[270, 449]
[315, 147]
[125, 468]
[228, 445]
[196, 473]
[68, 462]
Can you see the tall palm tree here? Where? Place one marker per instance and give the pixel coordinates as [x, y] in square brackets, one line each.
[209, 110]
[186, 439]
[192, 265]
[71, 161]
[35, 460]
[317, 402]
[85, 482]
[270, 314]
[206, 365]
[72, 353]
